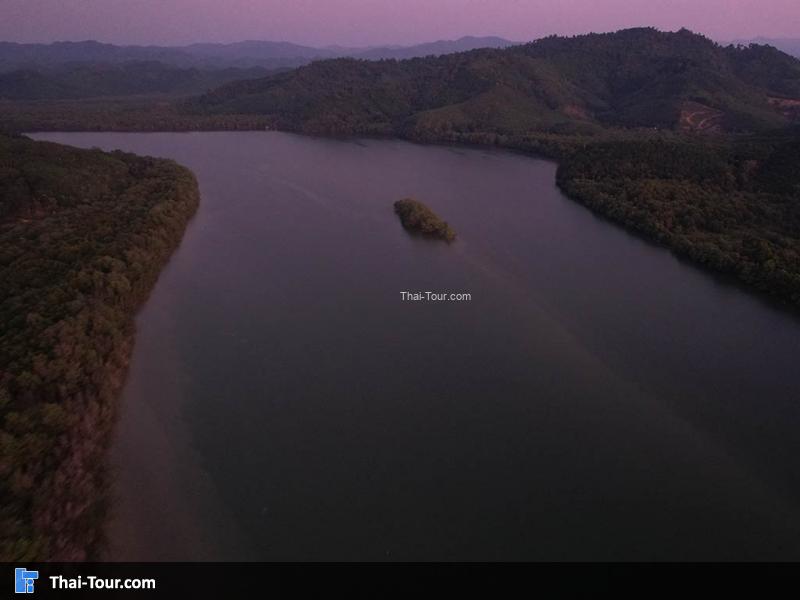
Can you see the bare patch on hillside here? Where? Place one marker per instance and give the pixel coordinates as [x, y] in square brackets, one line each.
[575, 111]
[700, 118]
[789, 107]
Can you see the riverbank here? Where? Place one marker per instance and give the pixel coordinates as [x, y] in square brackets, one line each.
[83, 243]
[746, 229]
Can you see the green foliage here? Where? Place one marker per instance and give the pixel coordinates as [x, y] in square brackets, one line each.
[734, 208]
[83, 236]
[631, 78]
[415, 216]
[115, 114]
[125, 79]
[584, 86]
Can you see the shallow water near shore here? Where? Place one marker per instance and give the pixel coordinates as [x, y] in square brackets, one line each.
[596, 399]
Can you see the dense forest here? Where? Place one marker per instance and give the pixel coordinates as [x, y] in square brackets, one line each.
[589, 86]
[115, 114]
[637, 78]
[532, 96]
[124, 79]
[417, 217]
[733, 208]
[83, 237]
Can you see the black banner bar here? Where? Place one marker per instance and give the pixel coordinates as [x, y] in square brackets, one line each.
[491, 580]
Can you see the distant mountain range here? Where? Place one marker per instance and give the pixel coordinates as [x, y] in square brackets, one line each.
[73, 70]
[248, 54]
[632, 78]
[463, 44]
[788, 45]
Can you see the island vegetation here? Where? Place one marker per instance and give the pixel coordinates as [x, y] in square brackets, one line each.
[83, 237]
[417, 217]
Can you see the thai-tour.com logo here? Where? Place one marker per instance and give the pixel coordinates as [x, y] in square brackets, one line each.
[24, 580]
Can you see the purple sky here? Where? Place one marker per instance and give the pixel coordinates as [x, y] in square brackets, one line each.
[370, 22]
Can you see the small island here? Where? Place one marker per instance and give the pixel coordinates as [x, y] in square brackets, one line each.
[417, 217]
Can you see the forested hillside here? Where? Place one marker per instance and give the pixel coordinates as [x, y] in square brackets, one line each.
[125, 79]
[83, 237]
[637, 78]
[788, 45]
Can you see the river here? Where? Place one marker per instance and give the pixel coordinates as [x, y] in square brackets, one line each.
[595, 399]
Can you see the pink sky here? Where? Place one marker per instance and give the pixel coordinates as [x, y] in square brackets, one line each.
[370, 22]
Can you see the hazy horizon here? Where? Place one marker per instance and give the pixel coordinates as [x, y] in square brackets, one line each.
[380, 22]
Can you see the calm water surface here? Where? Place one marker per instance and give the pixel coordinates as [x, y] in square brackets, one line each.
[597, 398]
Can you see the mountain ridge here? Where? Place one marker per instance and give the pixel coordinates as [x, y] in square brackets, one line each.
[244, 54]
[635, 78]
[790, 46]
